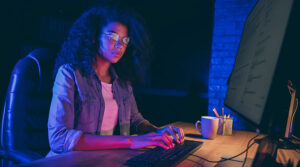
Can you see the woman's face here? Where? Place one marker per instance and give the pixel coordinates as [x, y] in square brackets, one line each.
[113, 41]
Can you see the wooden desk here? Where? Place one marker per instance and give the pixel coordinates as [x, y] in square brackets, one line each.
[211, 150]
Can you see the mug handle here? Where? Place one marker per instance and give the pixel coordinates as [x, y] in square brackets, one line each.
[196, 125]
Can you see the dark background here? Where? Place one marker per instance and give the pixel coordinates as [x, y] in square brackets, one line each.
[181, 34]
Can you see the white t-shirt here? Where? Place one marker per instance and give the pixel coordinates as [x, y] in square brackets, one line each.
[110, 117]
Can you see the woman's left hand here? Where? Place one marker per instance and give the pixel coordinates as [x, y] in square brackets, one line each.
[176, 133]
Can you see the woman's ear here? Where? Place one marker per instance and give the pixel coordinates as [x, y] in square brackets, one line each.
[100, 52]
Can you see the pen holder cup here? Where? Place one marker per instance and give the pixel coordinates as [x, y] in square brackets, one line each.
[225, 126]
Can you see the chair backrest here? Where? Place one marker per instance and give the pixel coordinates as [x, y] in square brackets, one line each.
[27, 103]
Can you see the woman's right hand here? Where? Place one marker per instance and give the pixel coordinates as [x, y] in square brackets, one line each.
[151, 139]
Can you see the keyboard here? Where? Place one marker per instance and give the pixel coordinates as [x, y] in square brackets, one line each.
[160, 157]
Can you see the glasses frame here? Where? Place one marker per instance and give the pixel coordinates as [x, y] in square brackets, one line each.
[113, 36]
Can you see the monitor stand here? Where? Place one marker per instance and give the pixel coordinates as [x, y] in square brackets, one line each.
[286, 142]
[292, 110]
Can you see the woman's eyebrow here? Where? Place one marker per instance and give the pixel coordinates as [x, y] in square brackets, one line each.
[111, 31]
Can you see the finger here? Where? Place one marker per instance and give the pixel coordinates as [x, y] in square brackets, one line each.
[163, 138]
[168, 141]
[172, 130]
[160, 144]
[181, 135]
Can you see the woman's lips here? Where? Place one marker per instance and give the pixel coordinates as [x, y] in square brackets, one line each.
[118, 54]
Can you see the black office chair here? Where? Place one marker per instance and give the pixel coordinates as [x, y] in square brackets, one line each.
[24, 134]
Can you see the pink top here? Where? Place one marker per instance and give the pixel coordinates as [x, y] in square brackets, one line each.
[110, 116]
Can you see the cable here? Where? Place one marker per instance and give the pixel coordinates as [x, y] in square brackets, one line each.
[195, 162]
[225, 159]
[295, 138]
[245, 159]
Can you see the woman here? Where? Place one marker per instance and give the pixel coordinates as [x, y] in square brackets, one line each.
[93, 106]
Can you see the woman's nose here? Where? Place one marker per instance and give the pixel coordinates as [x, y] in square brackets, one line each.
[118, 44]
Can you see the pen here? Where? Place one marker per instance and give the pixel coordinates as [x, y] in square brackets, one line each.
[216, 113]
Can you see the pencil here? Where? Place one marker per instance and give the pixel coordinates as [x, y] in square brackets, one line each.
[216, 113]
[223, 112]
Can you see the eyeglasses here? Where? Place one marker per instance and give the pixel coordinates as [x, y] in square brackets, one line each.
[114, 37]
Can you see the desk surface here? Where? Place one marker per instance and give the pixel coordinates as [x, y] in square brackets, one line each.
[211, 149]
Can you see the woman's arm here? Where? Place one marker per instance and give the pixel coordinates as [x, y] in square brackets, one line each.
[176, 133]
[96, 142]
[146, 127]
[143, 126]
[61, 132]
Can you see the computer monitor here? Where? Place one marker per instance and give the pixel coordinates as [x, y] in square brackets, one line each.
[266, 59]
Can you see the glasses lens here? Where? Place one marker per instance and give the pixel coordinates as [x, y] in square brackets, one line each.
[113, 36]
[126, 40]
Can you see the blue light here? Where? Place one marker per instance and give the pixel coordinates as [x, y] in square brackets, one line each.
[228, 26]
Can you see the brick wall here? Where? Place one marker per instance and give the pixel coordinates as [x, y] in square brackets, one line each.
[229, 18]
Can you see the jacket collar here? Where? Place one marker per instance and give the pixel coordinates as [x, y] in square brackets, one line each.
[112, 71]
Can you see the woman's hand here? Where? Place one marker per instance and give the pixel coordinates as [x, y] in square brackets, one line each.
[176, 133]
[151, 139]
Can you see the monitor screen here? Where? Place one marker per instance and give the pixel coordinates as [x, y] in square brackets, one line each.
[256, 66]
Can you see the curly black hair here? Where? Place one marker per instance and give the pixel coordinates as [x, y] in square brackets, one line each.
[80, 48]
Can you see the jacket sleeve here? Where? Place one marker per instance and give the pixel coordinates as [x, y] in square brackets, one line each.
[136, 117]
[62, 136]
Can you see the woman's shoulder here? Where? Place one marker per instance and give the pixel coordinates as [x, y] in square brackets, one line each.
[67, 66]
[68, 70]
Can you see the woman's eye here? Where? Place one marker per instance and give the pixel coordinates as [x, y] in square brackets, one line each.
[114, 37]
[111, 38]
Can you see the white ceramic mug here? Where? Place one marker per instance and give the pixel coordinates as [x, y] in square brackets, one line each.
[209, 126]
